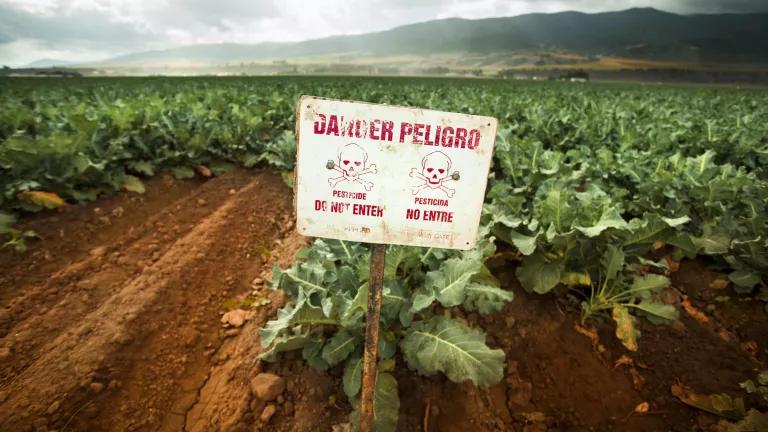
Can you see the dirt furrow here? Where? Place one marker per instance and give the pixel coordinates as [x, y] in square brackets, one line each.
[75, 360]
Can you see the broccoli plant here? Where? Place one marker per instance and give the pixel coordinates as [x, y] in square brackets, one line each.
[328, 287]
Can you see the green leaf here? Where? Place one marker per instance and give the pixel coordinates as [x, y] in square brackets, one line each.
[539, 275]
[713, 241]
[485, 298]
[525, 244]
[649, 282]
[353, 372]
[748, 386]
[387, 345]
[394, 302]
[309, 278]
[182, 172]
[340, 346]
[386, 405]
[6, 221]
[676, 222]
[272, 329]
[745, 278]
[444, 345]
[658, 309]
[352, 316]
[133, 184]
[284, 343]
[142, 167]
[612, 262]
[312, 353]
[762, 378]
[611, 218]
[450, 281]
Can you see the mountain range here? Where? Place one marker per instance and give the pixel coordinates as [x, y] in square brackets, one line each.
[639, 33]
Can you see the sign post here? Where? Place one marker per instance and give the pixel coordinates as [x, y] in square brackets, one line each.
[375, 288]
[384, 175]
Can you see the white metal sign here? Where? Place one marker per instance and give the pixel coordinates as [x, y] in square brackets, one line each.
[388, 174]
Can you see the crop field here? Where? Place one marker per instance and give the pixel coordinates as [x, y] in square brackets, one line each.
[151, 277]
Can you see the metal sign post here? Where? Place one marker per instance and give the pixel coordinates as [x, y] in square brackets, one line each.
[375, 287]
[382, 175]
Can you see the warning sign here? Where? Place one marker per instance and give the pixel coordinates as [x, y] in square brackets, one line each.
[387, 174]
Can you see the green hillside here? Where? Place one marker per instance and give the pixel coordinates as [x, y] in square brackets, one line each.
[641, 33]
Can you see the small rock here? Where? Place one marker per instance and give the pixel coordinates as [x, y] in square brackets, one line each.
[5, 352]
[231, 332]
[268, 412]
[98, 252]
[235, 318]
[267, 386]
[53, 407]
[114, 384]
[3, 396]
[201, 202]
[97, 387]
[232, 191]
[280, 399]
[288, 407]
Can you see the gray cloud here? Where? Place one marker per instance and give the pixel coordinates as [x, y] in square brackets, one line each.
[718, 6]
[91, 29]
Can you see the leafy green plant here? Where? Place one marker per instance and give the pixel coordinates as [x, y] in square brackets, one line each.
[14, 238]
[577, 171]
[759, 386]
[328, 288]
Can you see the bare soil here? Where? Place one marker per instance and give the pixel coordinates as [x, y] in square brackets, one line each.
[111, 322]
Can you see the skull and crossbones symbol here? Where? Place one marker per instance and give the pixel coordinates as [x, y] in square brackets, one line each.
[434, 172]
[352, 164]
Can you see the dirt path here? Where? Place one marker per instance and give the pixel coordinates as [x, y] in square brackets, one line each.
[112, 323]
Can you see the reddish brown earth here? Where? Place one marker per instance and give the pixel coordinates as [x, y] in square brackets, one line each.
[111, 322]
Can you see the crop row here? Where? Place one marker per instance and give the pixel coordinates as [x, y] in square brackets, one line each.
[598, 190]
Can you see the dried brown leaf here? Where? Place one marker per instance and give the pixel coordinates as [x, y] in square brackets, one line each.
[48, 200]
[693, 311]
[719, 404]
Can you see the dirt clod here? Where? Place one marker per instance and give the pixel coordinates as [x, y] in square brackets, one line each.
[268, 412]
[234, 318]
[96, 387]
[267, 386]
[52, 408]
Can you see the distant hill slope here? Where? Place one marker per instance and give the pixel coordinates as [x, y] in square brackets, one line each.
[46, 63]
[642, 33]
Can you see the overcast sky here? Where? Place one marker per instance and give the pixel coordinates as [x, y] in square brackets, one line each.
[85, 30]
